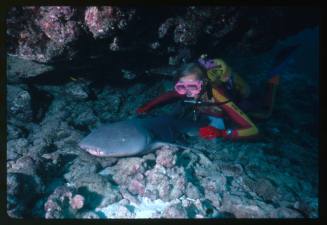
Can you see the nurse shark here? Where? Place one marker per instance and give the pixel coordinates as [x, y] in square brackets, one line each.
[136, 136]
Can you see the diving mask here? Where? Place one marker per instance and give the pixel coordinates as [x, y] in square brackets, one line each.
[190, 88]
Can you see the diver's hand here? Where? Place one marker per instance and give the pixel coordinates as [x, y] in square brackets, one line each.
[210, 132]
[141, 111]
[229, 134]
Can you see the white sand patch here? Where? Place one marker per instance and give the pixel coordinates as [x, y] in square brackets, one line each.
[146, 209]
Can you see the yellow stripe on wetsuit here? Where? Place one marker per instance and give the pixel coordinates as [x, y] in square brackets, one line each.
[248, 128]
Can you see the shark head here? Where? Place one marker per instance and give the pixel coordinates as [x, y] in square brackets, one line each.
[117, 139]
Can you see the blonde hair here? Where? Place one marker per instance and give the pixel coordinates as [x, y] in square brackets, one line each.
[191, 68]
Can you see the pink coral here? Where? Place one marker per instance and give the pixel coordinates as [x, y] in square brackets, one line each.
[97, 20]
[57, 25]
[77, 202]
[166, 157]
[136, 187]
[104, 21]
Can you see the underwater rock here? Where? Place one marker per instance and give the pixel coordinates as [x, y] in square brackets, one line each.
[175, 211]
[81, 167]
[118, 210]
[128, 196]
[27, 164]
[214, 198]
[114, 45]
[68, 143]
[128, 75]
[137, 187]
[283, 212]
[108, 106]
[192, 191]
[154, 45]
[53, 131]
[242, 207]
[163, 29]
[58, 23]
[215, 183]
[254, 169]
[40, 33]
[126, 168]
[22, 190]
[19, 69]
[42, 145]
[231, 170]
[165, 183]
[156, 175]
[16, 148]
[307, 207]
[19, 103]
[151, 193]
[48, 33]
[109, 100]
[97, 20]
[82, 116]
[183, 56]
[77, 90]
[166, 157]
[186, 32]
[82, 174]
[149, 158]
[262, 187]
[54, 165]
[169, 71]
[90, 215]
[63, 203]
[14, 132]
[177, 182]
[104, 21]
[124, 212]
[188, 27]
[158, 182]
[164, 189]
[107, 162]
[213, 189]
[199, 25]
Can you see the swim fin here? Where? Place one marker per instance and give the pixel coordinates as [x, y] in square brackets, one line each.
[282, 59]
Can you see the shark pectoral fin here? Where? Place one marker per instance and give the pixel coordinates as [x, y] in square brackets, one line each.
[155, 146]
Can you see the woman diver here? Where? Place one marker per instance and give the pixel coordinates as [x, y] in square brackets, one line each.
[211, 86]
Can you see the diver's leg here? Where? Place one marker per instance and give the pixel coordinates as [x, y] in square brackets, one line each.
[269, 100]
[271, 92]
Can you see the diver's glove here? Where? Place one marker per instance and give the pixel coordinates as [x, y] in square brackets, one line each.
[141, 111]
[211, 132]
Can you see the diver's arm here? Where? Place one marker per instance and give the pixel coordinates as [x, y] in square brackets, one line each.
[247, 128]
[158, 100]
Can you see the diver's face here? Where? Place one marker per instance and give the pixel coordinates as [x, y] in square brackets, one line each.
[190, 85]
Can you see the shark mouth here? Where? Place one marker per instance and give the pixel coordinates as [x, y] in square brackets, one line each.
[93, 151]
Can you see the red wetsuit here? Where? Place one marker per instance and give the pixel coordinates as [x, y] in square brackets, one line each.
[246, 127]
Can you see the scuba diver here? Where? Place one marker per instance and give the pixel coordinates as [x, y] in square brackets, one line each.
[214, 90]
